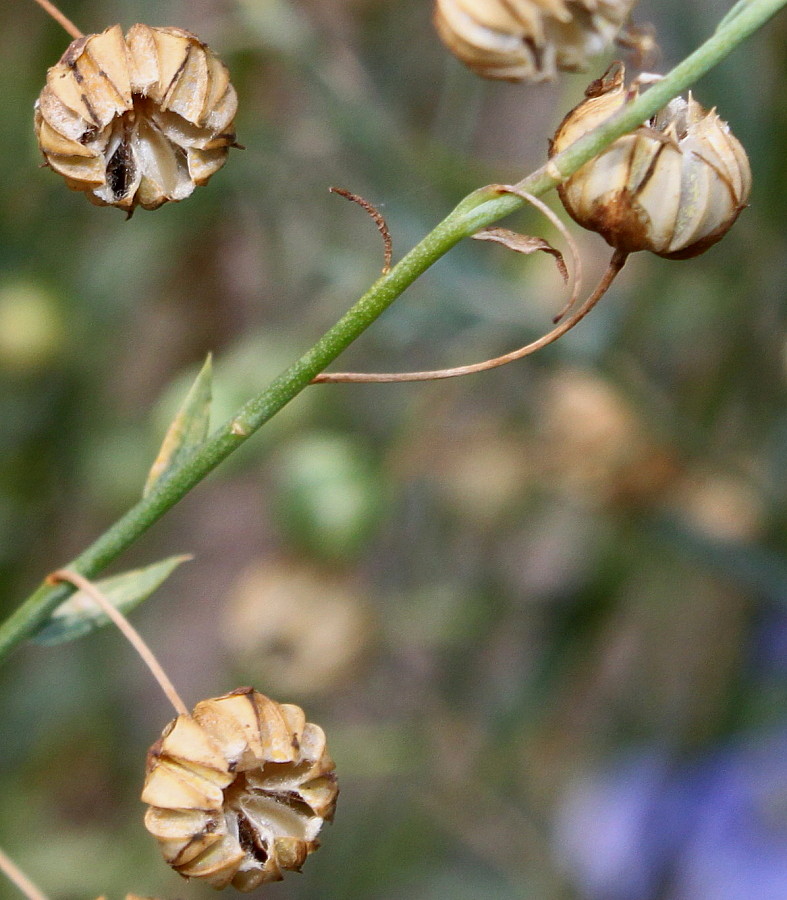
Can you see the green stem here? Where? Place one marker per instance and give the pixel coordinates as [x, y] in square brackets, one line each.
[477, 210]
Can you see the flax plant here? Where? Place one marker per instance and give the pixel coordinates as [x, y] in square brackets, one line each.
[474, 212]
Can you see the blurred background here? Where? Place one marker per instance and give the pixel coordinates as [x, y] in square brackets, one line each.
[540, 612]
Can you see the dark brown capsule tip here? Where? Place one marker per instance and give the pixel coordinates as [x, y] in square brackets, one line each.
[74, 51]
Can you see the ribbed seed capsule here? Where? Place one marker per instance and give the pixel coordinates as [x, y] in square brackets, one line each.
[239, 790]
[674, 186]
[528, 40]
[136, 120]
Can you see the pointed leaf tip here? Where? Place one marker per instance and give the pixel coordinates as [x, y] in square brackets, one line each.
[188, 429]
[80, 614]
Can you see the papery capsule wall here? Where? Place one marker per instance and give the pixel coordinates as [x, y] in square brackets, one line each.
[528, 40]
[675, 186]
[239, 791]
[139, 120]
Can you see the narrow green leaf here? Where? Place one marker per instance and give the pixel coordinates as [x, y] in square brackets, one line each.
[80, 614]
[189, 428]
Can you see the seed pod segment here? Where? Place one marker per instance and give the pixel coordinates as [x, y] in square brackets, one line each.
[674, 186]
[528, 40]
[136, 120]
[239, 790]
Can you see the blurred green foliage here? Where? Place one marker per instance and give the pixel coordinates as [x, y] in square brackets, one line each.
[544, 565]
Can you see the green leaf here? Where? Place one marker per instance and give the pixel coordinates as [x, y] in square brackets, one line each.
[80, 614]
[189, 428]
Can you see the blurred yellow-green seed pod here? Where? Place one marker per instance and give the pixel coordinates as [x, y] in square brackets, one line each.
[330, 496]
[301, 629]
[33, 333]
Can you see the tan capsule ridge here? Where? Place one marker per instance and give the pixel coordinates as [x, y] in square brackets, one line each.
[528, 40]
[136, 120]
[239, 790]
[674, 186]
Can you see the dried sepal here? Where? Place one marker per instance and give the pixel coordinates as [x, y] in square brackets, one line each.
[674, 186]
[528, 40]
[239, 791]
[136, 120]
[523, 243]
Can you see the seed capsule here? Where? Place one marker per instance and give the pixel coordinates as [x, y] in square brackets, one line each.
[528, 40]
[136, 120]
[239, 790]
[673, 186]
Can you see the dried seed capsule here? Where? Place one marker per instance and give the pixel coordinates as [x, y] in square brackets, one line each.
[136, 120]
[239, 790]
[528, 40]
[674, 186]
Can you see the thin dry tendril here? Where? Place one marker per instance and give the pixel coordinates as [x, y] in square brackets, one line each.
[128, 630]
[379, 221]
[616, 263]
[576, 258]
[16, 876]
[60, 18]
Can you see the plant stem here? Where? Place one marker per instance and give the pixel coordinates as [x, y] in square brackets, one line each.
[478, 210]
[615, 265]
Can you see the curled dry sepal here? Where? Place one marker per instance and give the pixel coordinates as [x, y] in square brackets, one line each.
[673, 186]
[239, 790]
[528, 40]
[136, 120]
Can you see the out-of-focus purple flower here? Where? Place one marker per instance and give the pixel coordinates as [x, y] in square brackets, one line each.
[738, 849]
[769, 650]
[617, 831]
[712, 829]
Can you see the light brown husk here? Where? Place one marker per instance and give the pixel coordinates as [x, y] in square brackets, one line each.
[136, 120]
[239, 790]
[528, 40]
[674, 186]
